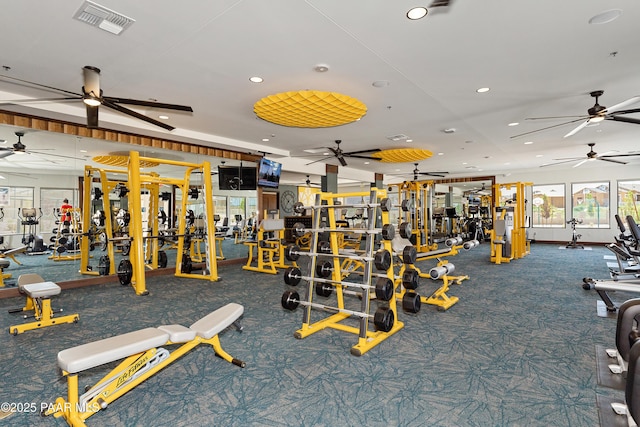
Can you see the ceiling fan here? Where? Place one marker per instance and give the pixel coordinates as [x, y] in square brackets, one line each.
[592, 155]
[93, 98]
[311, 184]
[20, 148]
[416, 173]
[595, 114]
[340, 155]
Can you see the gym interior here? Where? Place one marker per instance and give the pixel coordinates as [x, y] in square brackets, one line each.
[167, 277]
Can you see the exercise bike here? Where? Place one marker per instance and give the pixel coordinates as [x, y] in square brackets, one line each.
[573, 244]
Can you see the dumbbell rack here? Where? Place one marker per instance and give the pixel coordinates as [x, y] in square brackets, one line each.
[385, 318]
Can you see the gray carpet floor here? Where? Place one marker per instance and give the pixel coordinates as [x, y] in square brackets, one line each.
[518, 349]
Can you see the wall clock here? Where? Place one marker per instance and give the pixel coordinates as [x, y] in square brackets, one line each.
[287, 199]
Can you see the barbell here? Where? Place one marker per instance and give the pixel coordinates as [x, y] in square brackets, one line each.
[383, 288]
[383, 318]
[384, 204]
[387, 231]
[382, 258]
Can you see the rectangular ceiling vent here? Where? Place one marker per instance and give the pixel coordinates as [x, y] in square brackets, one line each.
[398, 137]
[106, 19]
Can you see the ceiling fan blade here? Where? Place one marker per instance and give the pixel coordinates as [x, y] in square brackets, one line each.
[152, 104]
[546, 128]
[342, 161]
[620, 155]
[569, 158]
[92, 116]
[53, 155]
[440, 174]
[137, 115]
[361, 157]
[624, 119]
[319, 160]
[577, 129]
[612, 161]
[351, 153]
[620, 112]
[557, 117]
[38, 85]
[580, 163]
[622, 105]
[35, 100]
[557, 163]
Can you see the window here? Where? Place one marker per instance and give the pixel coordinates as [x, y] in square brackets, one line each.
[51, 200]
[236, 207]
[590, 204]
[220, 208]
[629, 200]
[548, 206]
[12, 201]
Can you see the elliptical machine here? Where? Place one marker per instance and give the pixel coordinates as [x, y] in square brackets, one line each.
[29, 220]
[573, 244]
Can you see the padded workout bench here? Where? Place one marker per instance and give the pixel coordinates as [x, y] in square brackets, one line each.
[11, 253]
[142, 356]
[39, 295]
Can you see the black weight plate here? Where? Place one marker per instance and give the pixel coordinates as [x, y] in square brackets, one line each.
[410, 279]
[104, 264]
[162, 259]
[384, 288]
[292, 276]
[323, 289]
[411, 302]
[290, 300]
[383, 319]
[125, 272]
[382, 260]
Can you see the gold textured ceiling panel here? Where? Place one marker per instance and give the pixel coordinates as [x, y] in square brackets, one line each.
[402, 155]
[309, 109]
[116, 160]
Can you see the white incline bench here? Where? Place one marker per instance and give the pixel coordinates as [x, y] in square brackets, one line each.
[143, 358]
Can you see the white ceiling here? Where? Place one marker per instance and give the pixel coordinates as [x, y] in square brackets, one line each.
[538, 58]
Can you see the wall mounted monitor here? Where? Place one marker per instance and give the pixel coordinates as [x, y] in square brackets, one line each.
[269, 173]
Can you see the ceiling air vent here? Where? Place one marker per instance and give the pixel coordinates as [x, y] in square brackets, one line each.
[398, 137]
[106, 19]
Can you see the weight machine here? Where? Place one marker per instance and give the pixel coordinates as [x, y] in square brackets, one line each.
[508, 236]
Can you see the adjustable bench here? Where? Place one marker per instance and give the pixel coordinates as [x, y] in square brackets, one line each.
[143, 358]
[39, 293]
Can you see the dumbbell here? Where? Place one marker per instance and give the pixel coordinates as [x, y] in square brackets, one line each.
[383, 319]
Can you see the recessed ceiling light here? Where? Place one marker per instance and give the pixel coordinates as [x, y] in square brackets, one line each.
[605, 17]
[380, 83]
[409, 140]
[513, 124]
[483, 90]
[321, 68]
[440, 154]
[256, 79]
[366, 163]
[163, 117]
[265, 139]
[464, 163]
[417, 13]
[83, 151]
[528, 143]
[539, 155]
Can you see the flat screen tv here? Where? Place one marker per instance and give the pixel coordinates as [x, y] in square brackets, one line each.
[269, 173]
[237, 178]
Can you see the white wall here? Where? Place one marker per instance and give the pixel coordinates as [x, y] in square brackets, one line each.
[596, 171]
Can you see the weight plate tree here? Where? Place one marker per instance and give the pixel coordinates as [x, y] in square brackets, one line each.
[325, 276]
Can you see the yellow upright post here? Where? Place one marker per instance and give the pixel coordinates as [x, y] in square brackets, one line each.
[136, 253]
[210, 229]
